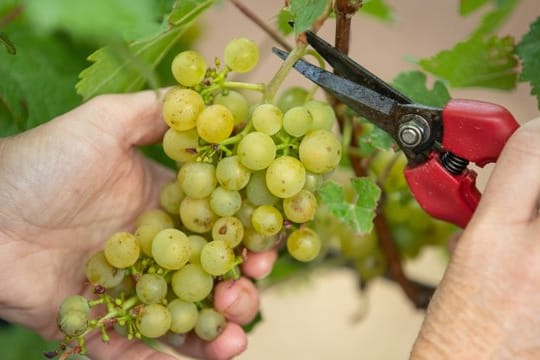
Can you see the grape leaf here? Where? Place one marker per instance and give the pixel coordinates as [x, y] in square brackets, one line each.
[467, 7]
[495, 18]
[111, 73]
[378, 9]
[306, 12]
[476, 62]
[359, 215]
[413, 84]
[285, 16]
[528, 50]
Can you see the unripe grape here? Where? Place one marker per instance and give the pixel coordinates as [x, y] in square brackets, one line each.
[257, 191]
[73, 322]
[241, 55]
[291, 97]
[151, 288]
[256, 150]
[313, 181]
[74, 303]
[192, 283]
[215, 123]
[297, 121]
[225, 202]
[236, 103]
[197, 179]
[196, 215]
[181, 145]
[245, 213]
[258, 242]
[171, 249]
[145, 234]
[171, 196]
[267, 220]
[228, 229]
[183, 316]
[217, 257]
[371, 266]
[156, 217]
[320, 151]
[285, 176]
[188, 68]
[304, 244]
[231, 174]
[301, 207]
[197, 242]
[153, 321]
[267, 118]
[181, 107]
[100, 272]
[322, 114]
[122, 250]
[356, 246]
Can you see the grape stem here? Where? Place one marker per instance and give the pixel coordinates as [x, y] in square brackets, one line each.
[281, 74]
[244, 85]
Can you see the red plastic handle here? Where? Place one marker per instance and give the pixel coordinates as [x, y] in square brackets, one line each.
[473, 130]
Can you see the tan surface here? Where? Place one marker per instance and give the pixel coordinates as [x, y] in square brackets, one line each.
[314, 321]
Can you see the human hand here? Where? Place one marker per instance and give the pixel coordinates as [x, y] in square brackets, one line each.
[487, 304]
[65, 187]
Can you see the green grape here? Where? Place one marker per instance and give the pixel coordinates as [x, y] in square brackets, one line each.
[188, 68]
[258, 242]
[356, 246]
[74, 303]
[122, 250]
[304, 244]
[228, 229]
[217, 257]
[145, 234]
[291, 97]
[267, 118]
[313, 181]
[153, 321]
[73, 322]
[417, 218]
[192, 283]
[285, 176]
[241, 55]
[183, 316]
[181, 107]
[156, 217]
[197, 242]
[171, 249]
[371, 266]
[297, 121]
[215, 123]
[267, 220]
[300, 208]
[322, 114]
[320, 151]
[257, 192]
[391, 166]
[196, 215]
[210, 324]
[225, 202]
[125, 289]
[236, 103]
[197, 179]
[100, 272]
[151, 288]
[394, 207]
[171, 196]
[256, 150]
[408, 240]
[181, 145]
[245, 213]
[231, 174]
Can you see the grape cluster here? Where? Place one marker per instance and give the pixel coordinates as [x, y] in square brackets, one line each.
[245, 182]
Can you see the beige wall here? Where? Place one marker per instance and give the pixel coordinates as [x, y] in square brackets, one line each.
[316, 320]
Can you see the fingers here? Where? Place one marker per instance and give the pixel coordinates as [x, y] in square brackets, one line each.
[238, 300]
[512, 192]
[259, 265]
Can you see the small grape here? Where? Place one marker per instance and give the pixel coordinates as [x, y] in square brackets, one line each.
[313, 181]
[267, 118]
[151, 288]
[258, 242]
[225, 202]
[267, 220]
[210, 324]
[236, 103]
[241, 55]
[183, 316]
[217, 257]
[100, 272]
[356, 246]
[197, 242]
[228, 229]
[215, 123]
[322, 114]
[301, 207]
[304, 244]
[291, 97]
[245, 213]
[231, 174]
[171, 196]
[122, 250]
[256, 150]
[196, 215]
[371, 266]
[320, 151]
[285, 176]
[197, 179]
[192, 283]
[257, 191]
[157, 217]
[145, 234]
[154, 321]
[181, 145]
[171, 249]
[73, 322]
[297, 121]
[188, 68]
[74, 303]
[181, 107]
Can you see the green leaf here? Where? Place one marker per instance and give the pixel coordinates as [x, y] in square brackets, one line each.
[476, 62]
[413, 84]
[467, 7]
[359, 215]
[528, 50]
[378, 9]
[306, 12]
[285, 16]
[495, 18]
[111, 73]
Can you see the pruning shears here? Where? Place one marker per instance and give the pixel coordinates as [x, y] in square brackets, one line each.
[439, 143]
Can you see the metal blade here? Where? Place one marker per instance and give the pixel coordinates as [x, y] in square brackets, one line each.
[376, 107]
[348, 68]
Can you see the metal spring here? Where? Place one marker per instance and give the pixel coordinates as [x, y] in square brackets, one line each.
[453, 163]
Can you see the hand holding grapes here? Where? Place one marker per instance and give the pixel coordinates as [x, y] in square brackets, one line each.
[487, 304]
[65, 187]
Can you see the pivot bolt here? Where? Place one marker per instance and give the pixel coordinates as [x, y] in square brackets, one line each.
[413, 131]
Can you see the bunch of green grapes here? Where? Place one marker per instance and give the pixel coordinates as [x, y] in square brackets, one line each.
[246, 182]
